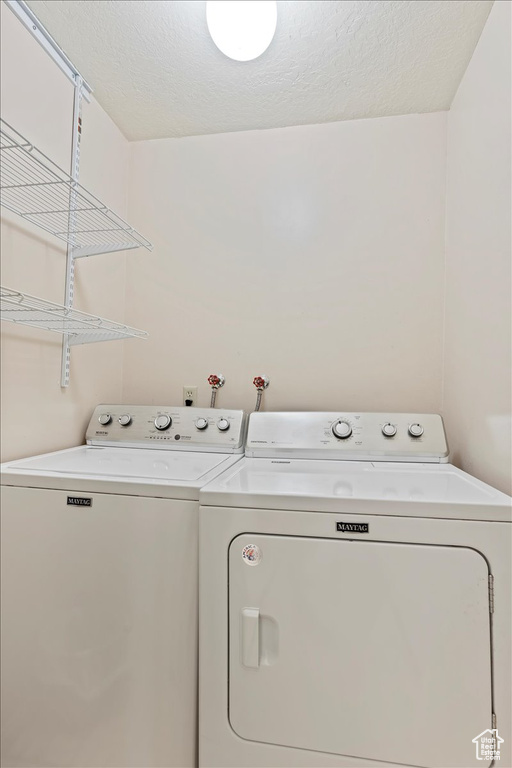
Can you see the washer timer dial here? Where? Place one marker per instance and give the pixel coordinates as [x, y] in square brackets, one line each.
[163, 422]
[223, 425]
[416, 430]
[104, 419]
[202, 423]
[341, 429]
[389, 430]
[125, 420]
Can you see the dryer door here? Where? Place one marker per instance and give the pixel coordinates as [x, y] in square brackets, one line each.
[366, 649]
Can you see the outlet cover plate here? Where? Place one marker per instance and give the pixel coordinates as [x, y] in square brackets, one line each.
[190, 393]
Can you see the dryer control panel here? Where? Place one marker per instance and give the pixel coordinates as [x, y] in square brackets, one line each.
[168, 427]
[416, 437]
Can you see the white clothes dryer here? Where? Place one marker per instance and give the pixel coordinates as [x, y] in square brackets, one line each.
[355, 600]
[99, 589]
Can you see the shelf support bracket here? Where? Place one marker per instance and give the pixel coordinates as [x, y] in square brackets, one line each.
[46, 41]
[70, 259]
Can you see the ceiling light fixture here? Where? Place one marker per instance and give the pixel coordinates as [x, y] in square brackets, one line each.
[242, 29]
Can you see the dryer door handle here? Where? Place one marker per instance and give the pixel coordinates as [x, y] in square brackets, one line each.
[251, 637]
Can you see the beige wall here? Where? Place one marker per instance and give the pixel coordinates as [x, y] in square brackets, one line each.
[37, 415]
[311, 254]
[477, 378]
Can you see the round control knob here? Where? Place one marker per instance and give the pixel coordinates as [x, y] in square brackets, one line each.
[415, 430]
[125, 420]
[201, 423]
[104, 419]
[389, 430]
[163, 422]
[341, 429]
[223, 425]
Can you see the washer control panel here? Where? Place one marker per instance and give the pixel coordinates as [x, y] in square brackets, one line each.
[350, 436]
[168, 427]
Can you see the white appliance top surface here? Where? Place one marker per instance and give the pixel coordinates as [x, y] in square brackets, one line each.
[391, 488]
[123, 463]
[137, 471]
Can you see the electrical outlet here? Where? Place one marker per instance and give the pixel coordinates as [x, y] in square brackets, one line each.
[189, 395]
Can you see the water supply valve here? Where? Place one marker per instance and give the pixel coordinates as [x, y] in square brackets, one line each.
[261, 383]
[216, 381]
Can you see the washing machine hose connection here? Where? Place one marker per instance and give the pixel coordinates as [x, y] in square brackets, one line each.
[261, 383]
[215, 381]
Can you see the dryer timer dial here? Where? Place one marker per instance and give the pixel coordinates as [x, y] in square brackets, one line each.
[341, 429]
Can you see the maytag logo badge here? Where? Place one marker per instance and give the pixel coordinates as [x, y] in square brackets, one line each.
[353, 527]
[79, 501]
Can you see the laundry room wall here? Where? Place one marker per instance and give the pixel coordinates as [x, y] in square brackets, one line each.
[37, 415]
[478, 375]
[311, 254]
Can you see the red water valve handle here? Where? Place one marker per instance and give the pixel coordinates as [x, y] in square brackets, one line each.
[260, 382]
[215, 381]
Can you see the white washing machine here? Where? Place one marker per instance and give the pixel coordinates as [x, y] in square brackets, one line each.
[99, 590]
[355, 600]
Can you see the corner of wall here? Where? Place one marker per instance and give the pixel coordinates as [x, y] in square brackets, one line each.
[477, 373]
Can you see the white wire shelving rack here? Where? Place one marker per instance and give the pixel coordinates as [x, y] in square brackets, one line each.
[39, 191]
[80, 327]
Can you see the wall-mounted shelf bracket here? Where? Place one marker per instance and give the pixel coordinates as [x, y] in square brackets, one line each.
[46, 41]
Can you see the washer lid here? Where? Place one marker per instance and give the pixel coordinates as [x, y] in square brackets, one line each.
[399, 489]
[132, 470]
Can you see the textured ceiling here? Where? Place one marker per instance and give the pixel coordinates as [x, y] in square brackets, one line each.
[156, 71]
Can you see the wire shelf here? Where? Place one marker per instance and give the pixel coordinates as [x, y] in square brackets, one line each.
[37, 189]
[80, 327]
